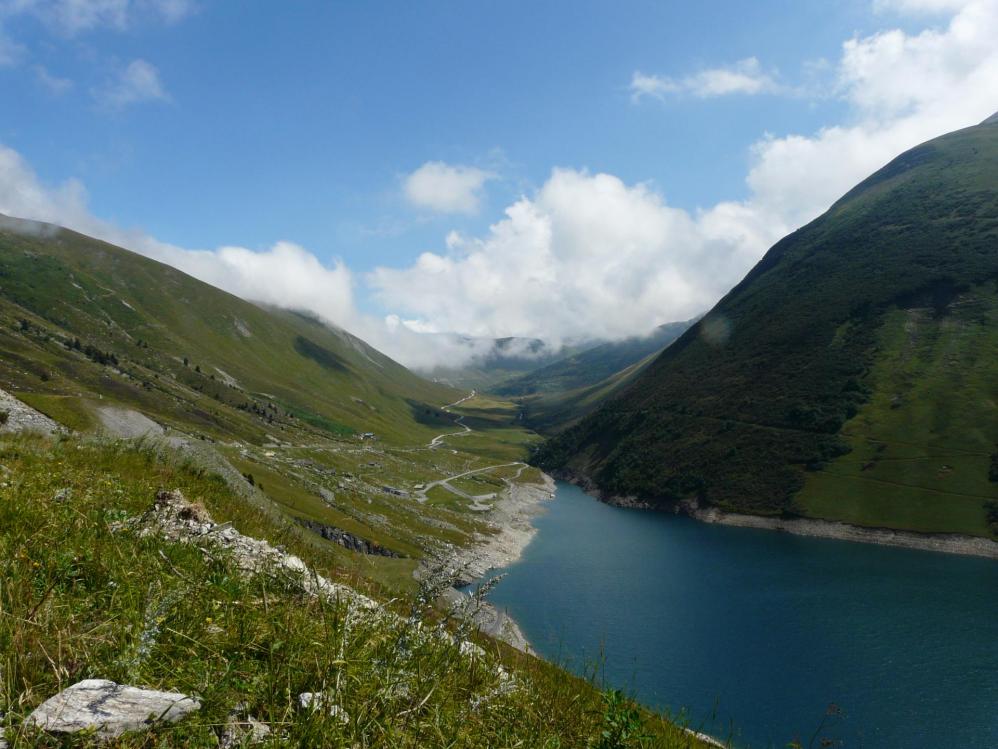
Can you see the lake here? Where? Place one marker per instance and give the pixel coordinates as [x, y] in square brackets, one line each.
[755, 634]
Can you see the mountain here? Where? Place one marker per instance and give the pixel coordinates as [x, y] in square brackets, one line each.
[85, 321]
[593, 365]
[851, 375]
[299, 417]
[492, 361]
[559, 394]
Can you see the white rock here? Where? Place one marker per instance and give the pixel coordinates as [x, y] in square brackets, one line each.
[471, 650]
[109, 709]
[708, 740]
[320, 701]
[242, 729]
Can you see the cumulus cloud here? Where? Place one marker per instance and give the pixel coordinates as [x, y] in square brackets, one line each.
[137, 82]
[903, 89]
[446, 188]
[590, 255]
[587, 256]
[744, 77]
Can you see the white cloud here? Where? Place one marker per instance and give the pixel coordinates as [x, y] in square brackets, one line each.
[69, 18]
[446, 188]
[72, 17]
[53, 83]
[171, 11]
[744, 77]
[285, 275]
[587, 256]
[11, 52]
[590, 255]
[919, 6]
[138, 82]
[903, 89]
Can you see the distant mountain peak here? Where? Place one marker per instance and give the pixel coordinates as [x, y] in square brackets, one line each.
[993, 119]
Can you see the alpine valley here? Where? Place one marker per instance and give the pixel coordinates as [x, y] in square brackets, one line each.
[230, 523]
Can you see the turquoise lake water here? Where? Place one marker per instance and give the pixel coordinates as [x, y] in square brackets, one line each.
[757, 633]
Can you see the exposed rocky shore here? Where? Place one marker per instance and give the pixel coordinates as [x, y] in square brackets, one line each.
[949, 543]
[511, 516]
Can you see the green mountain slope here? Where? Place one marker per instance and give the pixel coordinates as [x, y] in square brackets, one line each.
[153, 319]
[296, 416]
[851, 375]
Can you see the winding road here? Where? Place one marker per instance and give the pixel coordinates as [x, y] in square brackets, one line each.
[445, 482]
[435, 442]
[476, 499]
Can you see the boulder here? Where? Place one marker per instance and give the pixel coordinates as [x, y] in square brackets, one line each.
[109, 709]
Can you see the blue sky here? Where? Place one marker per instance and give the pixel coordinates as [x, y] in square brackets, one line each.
[296, 124]
[207, 124]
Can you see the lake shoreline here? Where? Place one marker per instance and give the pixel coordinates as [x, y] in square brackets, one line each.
[946, 543]
[512, 515]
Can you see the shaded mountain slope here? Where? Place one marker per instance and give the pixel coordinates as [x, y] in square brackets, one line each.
[859, 349]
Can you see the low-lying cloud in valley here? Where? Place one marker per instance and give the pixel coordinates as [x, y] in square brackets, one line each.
[587, 255]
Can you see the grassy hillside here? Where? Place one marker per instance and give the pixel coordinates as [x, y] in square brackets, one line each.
[86, 595]
[102, 339]
[180, 344]
[850, 375]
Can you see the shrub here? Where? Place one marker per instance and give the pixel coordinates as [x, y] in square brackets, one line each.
[622, 725]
